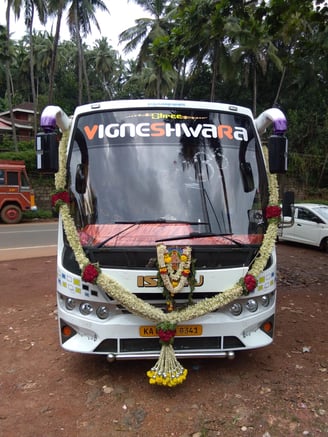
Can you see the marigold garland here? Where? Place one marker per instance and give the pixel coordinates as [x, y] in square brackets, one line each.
[167, 371]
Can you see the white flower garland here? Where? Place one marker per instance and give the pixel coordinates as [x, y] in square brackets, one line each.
[136, 305]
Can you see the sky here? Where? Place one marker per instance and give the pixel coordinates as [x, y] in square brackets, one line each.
[123, 14]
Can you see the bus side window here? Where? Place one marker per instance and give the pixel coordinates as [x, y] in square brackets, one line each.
[2, 177]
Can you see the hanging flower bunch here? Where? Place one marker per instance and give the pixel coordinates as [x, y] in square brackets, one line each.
[167, 371]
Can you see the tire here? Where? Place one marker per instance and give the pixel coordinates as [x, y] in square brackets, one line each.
[11, 214]
[324, 245]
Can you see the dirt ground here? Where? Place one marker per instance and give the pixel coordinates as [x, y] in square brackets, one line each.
[281, 390]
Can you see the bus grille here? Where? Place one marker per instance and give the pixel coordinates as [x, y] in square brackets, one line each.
[125, 345]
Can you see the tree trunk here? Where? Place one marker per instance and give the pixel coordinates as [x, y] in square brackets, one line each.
[54, 54]
[280, 86]
[215, 71]
[254, 91]
[322, 170]
[34, 96]
[8, 79]
[78, 41]
[85, 74]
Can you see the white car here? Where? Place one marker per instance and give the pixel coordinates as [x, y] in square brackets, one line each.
[310, 225]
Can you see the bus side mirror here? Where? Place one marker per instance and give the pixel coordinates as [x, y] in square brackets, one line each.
[81, 178]
[278, 150]
[288, 203]
[46, 145]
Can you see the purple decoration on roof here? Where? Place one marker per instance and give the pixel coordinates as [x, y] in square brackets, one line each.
[280, 126]
[48, 118]
[48, 122]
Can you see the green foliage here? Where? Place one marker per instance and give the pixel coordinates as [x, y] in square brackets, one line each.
[27, 155]
[39, 214]
[256, 53]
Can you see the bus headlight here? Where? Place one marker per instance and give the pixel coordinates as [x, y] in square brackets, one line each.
[251, 305]
[265, 300]
[86, 308]
[236, 309]
[102, 312]
[70, 304]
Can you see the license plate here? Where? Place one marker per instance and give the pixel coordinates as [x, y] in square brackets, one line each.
[181, 331]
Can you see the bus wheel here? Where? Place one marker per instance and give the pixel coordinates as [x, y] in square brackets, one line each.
[11, 214]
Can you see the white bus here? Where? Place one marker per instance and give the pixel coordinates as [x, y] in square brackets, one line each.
[167, 225]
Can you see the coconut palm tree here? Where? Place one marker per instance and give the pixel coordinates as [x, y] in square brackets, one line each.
[105, 63]
[81, 14]
[30, 7]
[152, 33]
[10, 4]
[55, 8]
[251, 48]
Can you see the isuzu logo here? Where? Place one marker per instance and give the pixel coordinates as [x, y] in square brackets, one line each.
[151, 281]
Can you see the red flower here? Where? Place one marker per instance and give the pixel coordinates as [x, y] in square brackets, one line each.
[250, 283]
[273, 211]
[62, 197]
[166, 336]
[90, 273]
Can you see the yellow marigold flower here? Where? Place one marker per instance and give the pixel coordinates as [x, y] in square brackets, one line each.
[175, 283]
[183, 258]
[167, 259]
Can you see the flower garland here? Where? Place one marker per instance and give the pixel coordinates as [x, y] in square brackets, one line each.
[167, 371]
[174, 280]
[175, 272]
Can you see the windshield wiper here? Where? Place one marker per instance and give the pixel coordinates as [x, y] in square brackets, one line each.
[98, 246]
[139, 222]
[202, 235]
[160, 220]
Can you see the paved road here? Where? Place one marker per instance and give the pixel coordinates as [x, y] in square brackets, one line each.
[28, 240]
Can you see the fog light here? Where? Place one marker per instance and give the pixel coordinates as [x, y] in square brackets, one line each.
[265, 300]
[86, 309]
[70, 304]
[251, 305]
[236, 309]
[67, 331]
[102, 312]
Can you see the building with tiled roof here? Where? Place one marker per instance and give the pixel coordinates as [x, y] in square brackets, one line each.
[24, 119]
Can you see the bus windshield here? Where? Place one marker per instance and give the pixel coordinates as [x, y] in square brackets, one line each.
[182, 166]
